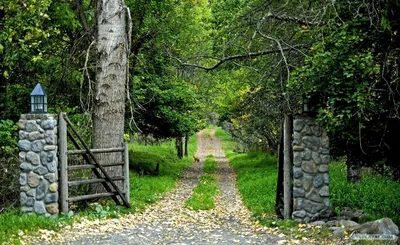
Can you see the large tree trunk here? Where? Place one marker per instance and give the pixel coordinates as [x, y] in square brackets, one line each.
[111, 73]
[279, 186]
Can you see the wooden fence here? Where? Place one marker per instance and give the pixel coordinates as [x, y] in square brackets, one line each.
[67, 130]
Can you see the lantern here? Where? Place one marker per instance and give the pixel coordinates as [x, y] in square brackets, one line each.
[38, 100]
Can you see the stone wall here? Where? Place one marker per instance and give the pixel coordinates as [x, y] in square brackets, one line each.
[39, 164]
[310, 170]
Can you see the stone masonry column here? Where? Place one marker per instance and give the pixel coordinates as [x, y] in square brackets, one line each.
[39, 164]
[310, 170]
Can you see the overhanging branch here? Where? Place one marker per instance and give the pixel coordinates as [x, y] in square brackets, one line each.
[242, 57]
[293, 19]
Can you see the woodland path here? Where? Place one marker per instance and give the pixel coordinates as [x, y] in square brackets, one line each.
[169, 222]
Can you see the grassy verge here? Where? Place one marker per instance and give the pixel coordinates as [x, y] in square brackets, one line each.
[256, 180]
[376, 195]
[204, 194]
[210, 165]
[144, 190]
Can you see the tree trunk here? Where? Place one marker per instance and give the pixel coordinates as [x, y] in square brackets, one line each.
[279, 186]
[109, 102]
[179, 146]
[186, 145]
[287, 168]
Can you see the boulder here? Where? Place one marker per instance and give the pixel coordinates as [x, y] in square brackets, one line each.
[380, 226]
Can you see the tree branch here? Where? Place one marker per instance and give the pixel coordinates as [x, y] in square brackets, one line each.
[293, 19]
[241, 57]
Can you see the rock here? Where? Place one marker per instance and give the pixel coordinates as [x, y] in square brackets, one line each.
[318, 181]
[41, 190]
[307, 155]
[298, 192]
[27, 209]
[51, 198]
[313, 207]
[323, 168]
[307, 182]
[21, 124]
[52, 166]
[24, 188]
[347, 223]
[317, 131]
[52, 208]
[21, 135]
[49, 147]
[318, 223]
[23, 179]
[24, 145]
[26, 167]
[298, 148]
[299, 214]
[307, 130]
[22, 156]
[31, 192]
[324, 191]
[309, 167]
[316, 158]
[35, 136]
[41, 170]
[37, 145]
[33, 179]
[31, 126]
[298, 183]
[297, 172]
[312, 142]
[50, 137]
[22, 198]
[53, 187]
[39, 207]
[48, 124]
[33, 158]
[325, 159]
[297, 159]
[298, 204]
[380, 226]
[325, 142]
[298, 125]
[30, 201]
[313, 196]
[51, 177]
[339, 232]
[325, 177]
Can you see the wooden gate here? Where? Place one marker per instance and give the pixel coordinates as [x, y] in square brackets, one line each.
[91, 162]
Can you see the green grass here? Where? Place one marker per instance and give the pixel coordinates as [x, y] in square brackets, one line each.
[210, 165]
[376, 195]
[13, 223]
[204, 194]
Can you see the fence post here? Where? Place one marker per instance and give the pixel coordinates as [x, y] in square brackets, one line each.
[63, 158]
[126, 173]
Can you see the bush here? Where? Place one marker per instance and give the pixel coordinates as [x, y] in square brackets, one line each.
[9, 164]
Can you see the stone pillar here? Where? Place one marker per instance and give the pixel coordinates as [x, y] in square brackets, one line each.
[39, 164]
[310, 170]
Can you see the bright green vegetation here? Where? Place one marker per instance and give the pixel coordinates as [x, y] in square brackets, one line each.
[210, 165]
[204, 194]
[148, 189]
[376, 195]
[13, 223]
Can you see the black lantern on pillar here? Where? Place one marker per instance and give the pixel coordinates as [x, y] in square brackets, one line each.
[38, 100]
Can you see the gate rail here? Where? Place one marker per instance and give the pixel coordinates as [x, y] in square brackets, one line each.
[67, 129]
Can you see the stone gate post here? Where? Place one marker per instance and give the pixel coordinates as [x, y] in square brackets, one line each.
[310, 170]
[39, 164]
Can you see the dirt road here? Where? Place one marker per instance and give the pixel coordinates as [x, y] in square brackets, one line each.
[169, 222]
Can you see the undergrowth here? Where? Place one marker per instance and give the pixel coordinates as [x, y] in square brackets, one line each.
[210, 165]
[204, 194]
